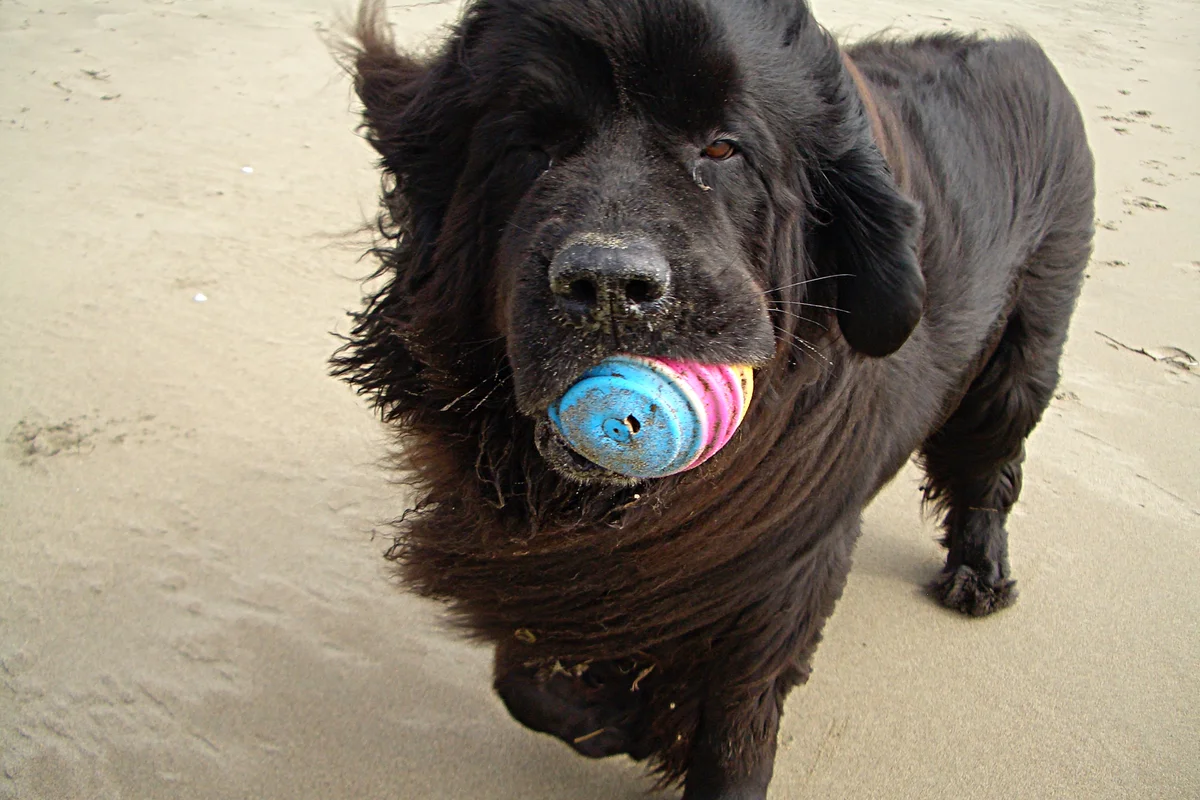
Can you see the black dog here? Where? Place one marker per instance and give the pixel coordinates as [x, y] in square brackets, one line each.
[894, 235]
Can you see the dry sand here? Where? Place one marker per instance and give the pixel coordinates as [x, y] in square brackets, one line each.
[191, 603]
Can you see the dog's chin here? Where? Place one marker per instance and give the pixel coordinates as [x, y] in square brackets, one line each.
[570, 464]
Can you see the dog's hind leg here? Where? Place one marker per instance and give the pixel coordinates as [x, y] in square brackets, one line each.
[973, 462]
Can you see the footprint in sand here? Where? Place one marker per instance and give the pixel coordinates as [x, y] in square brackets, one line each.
[30, 440]
[35, 439]
[1067, 397]
[1148, 203]
[1162, 176]
[1130, 118]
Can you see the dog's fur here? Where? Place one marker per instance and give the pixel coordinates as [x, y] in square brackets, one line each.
[896, 245]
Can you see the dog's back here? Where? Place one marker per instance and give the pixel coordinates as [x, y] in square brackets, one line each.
[992, 144]
[996, 131]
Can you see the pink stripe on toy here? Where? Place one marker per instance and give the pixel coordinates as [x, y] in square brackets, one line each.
[719, 388]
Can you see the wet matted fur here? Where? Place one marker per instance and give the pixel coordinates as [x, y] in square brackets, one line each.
[894, 234]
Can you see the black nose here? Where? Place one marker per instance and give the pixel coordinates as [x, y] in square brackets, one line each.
[617, 275]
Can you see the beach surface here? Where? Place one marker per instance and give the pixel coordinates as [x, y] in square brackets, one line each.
[193, 602]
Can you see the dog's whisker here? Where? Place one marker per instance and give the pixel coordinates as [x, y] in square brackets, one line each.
[465, 394]
[484, 341]
[754, 293]
[479, 346]
[800, 317]
[805, 282]
[494, 378]
[811, 348]
[491, 391]
[809, 305]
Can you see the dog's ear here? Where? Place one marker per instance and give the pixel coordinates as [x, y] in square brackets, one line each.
[867, 234]
[385, 79]
[405, 349]
[415, 113]
[386, 82]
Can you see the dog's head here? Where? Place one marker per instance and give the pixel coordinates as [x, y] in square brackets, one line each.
[574, 179]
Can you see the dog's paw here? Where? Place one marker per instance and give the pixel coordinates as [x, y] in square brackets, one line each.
[963, 589]
[597, 714]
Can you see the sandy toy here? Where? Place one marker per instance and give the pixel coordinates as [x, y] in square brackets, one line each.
[650, 417]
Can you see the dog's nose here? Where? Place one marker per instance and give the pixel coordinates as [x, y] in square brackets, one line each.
[617, 276]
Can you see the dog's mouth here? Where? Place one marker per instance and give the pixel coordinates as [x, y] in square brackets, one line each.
[559, 455]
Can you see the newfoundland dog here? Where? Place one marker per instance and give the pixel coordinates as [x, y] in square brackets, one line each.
[892, 235]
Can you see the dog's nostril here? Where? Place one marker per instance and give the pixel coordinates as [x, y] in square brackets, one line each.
[621, 278]
[638, 291]
[583, 291]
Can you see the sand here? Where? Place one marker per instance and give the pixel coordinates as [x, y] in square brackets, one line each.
[192, 599]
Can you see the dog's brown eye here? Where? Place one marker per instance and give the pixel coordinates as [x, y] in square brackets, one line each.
[720, 150]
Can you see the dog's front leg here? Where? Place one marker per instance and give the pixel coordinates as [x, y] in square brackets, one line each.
[733, 754]
[733, 751]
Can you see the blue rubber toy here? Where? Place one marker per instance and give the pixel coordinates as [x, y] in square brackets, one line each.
[631, 418]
